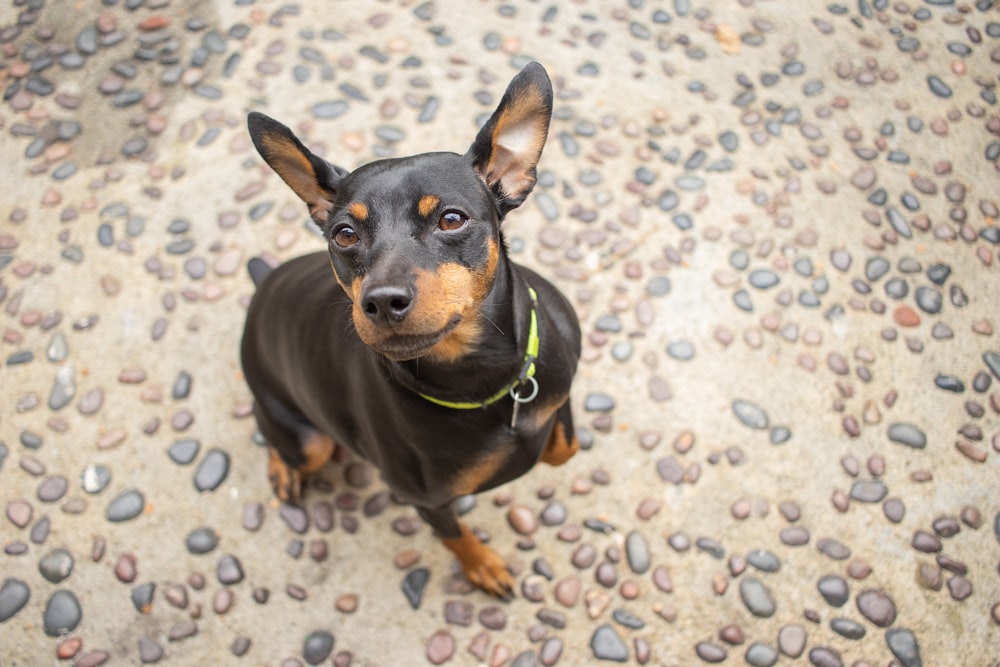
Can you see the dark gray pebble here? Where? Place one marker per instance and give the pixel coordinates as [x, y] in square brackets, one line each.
[750, 414]
[761, 655]
[294, 517]
[229, 570]
[779, 435]
[598, 402]
[14, 594]
[62, 613]
[756, 597]
[182, 630]
[212, 470]
[764, 560]
[142, 597]
[637, 552]
[894, 510]
[764, 278]
[710, 652]
[184, 451]
[742, 300]
[525, 659]
[56, 565]
[554, 514]
[869, 491]
[896, 219]
[876, 267]
[949, 383]
[317, 647]
[202, 540]
[240, 646]
[903, 645]
[628, 619]
[823, 656]
[149, 651]
[682, 350]
[937, 86]
[182, 386]
[907, 434]
[847, 628]
[660, 285]
[607, 645]
[52, 488]
[929, 299]
[127, 505]
[414, 584]
[992, 361]
[834, 590]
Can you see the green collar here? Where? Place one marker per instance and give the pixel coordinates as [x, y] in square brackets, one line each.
[525, 377]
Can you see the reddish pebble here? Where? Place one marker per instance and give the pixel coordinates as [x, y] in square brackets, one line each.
[440, 647]
[68, 648]
[126, 569]
[522, 520]
[154, 23]
[905, 316]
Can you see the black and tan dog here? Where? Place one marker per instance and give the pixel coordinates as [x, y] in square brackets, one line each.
[429, 354]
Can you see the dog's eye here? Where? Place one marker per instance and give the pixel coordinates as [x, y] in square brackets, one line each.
[452, 220]
[345, 237]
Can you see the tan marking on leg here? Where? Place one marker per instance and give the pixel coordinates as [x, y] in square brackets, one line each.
[428, 204]
[559, 449]
[285, 480]
[358, 210]
[474, 477]
[317, 449]
[482, 566]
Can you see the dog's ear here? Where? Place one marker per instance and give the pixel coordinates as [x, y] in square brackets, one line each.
[508, 146]
[312, 178]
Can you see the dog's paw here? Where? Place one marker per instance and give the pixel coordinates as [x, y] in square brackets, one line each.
[285, 480]
[482, 566]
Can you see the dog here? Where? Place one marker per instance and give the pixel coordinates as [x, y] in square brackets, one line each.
[428, 353]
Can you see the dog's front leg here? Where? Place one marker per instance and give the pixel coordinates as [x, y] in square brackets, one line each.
[482, 566]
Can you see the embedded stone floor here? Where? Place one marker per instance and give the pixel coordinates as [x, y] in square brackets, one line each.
[777, 222]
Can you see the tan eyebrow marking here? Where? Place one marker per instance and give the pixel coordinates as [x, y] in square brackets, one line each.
[358, 210]
[427, 204]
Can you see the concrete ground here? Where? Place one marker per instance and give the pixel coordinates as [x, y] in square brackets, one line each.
[777, 222]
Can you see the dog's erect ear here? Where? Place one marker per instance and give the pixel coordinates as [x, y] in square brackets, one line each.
[508, 146]
[312, 178]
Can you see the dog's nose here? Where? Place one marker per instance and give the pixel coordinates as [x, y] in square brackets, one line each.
[387, 304]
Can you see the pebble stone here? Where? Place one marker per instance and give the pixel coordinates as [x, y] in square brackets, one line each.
[892, 137]
[150, 652]
[903, 644]
[877, 607]
[317, 647]
[751, 415]
[756, 597]
[126, 506]
[907, 434]
[212, 471]
[606, 644]
[56, 565]
[834, 590]
[792, 640]
[62, 613]
[14, 594]
[761, 655]
[637, 551]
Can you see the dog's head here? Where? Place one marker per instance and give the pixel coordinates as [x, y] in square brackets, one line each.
[415, 241]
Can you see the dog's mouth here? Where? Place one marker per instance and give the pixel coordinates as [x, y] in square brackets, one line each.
[403, 347]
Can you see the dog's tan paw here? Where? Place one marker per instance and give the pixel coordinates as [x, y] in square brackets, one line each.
[285, 480]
